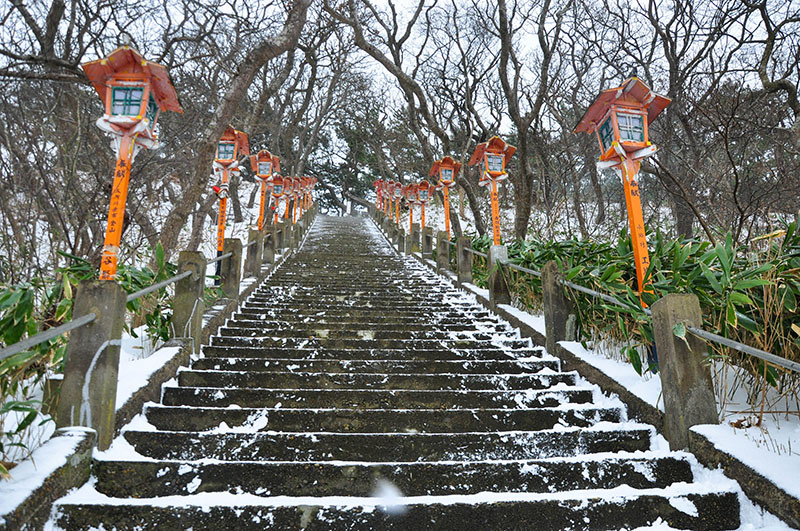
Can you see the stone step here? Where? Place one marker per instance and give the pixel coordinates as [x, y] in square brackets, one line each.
[376, 320]
[530, 365]
[546, 512]
[372, 315]
[385, 303]
[323, 333]
[376, 420]
[353, 327]
[321, 446]
[363, 344]
[438, 353]
[372, 398]
[322, 380]
[145, 479]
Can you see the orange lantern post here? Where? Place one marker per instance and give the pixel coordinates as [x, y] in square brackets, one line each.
[134, 93]
[261, 164]
[231, 145]
[378, 184]
[619, 118]
[446, 169]
[288, 185]
[492, 156]
[277, 192]
[389, 195]
[297, 189]
[423, 194]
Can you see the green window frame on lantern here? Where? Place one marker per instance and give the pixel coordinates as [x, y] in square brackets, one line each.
[152, 109]
[264, 168]
[127, 101]
[447, 174]
[606, 132]
[631, 127]
[226, 150]
[494, 163]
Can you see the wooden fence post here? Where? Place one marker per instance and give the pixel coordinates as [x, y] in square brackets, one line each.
[556, 306]
[187, 304]
[89, 392]
[498, 285]
[231, 272]
[464, 260]
[685, 380]
[427, 242]
[252, 264]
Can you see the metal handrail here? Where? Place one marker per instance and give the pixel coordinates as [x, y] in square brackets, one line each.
[520, 268]
[248, 244]
[37, 339]
[451, 244]
[699, 332]
[219, 258]
[155, 287]
[747, 349]
[473, 251]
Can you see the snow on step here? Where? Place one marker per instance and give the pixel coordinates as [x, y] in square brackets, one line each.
[356, 390]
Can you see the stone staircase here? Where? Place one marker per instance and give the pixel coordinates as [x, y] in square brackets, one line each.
[357, 390]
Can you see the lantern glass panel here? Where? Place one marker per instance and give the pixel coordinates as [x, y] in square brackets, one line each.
[264, 168]
[631, 127]
[225, 150]
[277, 189]
[126, 101]
[152, 109]
[607, 134]
[423, 195]
[495, 162]
[447, 174]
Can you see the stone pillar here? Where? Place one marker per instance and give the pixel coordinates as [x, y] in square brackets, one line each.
[288, 235]
[187, 304]
[464, 260]
[498, 286]
[415, 238]
[427, 242]
[400, 237]
[556, 306]
[231, 272]
[442, 251]
[268, 252]
[685, 381]
[280, 240]
[252, 263]
[89, 392]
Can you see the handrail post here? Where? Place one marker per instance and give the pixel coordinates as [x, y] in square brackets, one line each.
[498, 285]
[413, 243]
[252, 264]
[187, 304]
[685, 380]
[281, 239]
[464, 260]
[268, 250]
[427, 242]
[400, 238]
[442, 251]
[89, 391]
[556, 306]
[231, 271]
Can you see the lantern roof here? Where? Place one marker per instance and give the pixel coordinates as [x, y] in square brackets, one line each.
[276, 163]
[446, 162]
[127, 63]
[494, 145]
[232, 135]
[633, 93]
[261, 156]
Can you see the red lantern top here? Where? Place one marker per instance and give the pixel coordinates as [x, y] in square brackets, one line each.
[492, 156]
[262, 164]
[446, 169]
[277, 185]
[620, 118]
[232, 145]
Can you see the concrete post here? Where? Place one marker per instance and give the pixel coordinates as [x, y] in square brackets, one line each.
[685, 381]
[231, 273]
[187, 304]
[415, 238]
[268, 252]
[556, 306]
[280, 240]
[498, 286]
[89, 392]
[442, 251]
[252, 263]
[400, 237]
[463, 260]
[427, 242]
